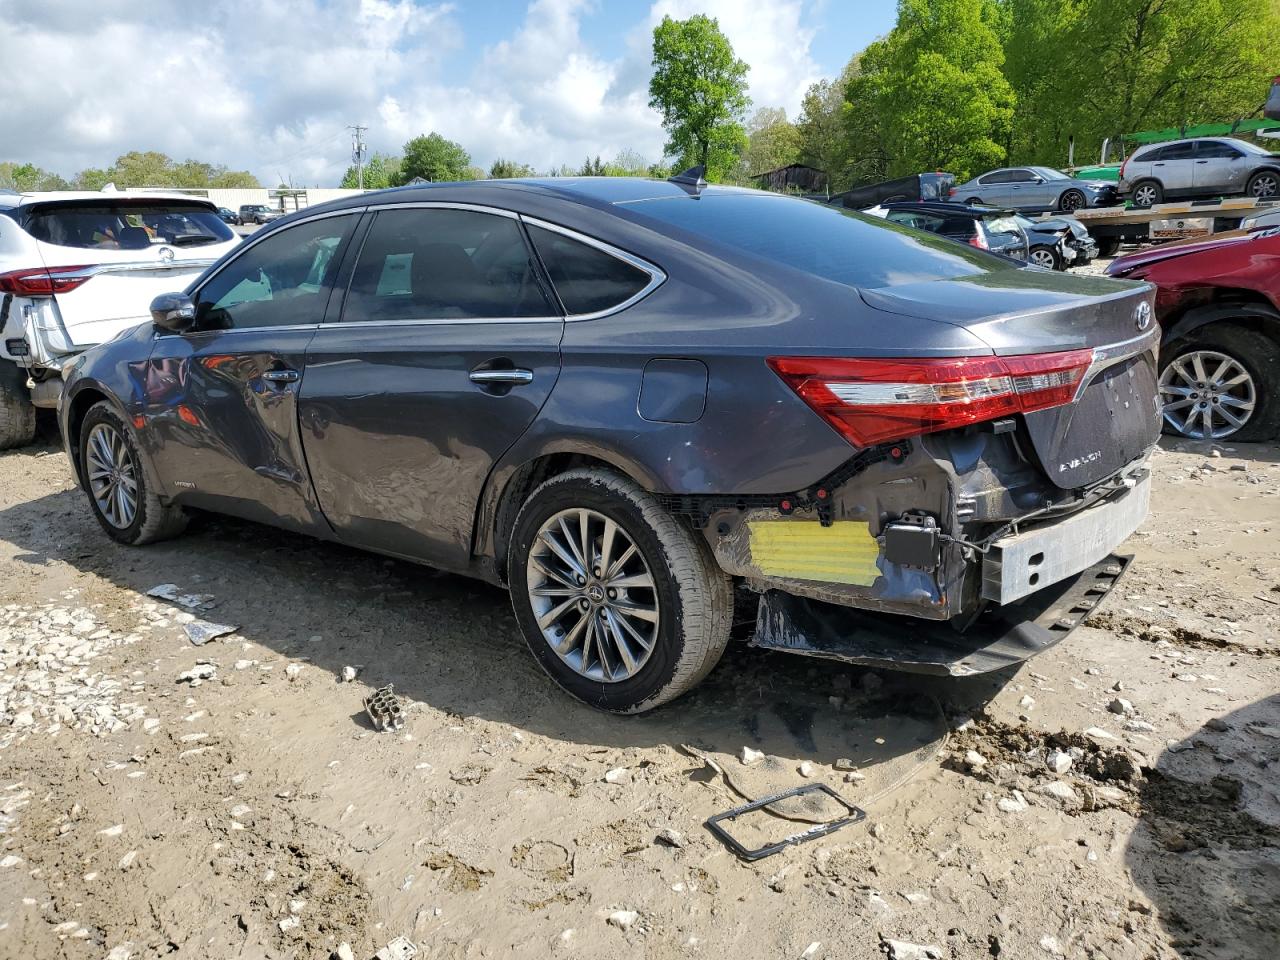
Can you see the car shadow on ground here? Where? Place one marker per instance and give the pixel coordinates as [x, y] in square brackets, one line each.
[1262, 452]
[1206, 850]
[453, 643]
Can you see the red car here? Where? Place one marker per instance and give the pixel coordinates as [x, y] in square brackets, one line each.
[1218, 302]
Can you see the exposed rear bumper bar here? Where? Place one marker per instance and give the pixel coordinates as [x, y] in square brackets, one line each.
[1002, 637]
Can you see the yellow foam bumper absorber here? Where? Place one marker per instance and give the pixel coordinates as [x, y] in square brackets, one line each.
[844, 552]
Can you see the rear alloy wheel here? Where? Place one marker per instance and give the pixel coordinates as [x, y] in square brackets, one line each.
[1147, 194]
[1071, 201]
[1044, 257]
[1264, 185]
[1222, 384]
[114, 479]
[619, 602]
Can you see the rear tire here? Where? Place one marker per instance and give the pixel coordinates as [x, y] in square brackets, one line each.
[1255, 355]
[17, 412]
[1071, 201]
[1147, 193]
[139, 517]
[1264, 185]
[1045, 257]
[690, 597]
[1108, 247]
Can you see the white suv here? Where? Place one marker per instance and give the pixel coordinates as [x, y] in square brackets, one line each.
[78, 268]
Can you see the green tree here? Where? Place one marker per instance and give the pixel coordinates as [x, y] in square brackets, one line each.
[932, 95]
[700, 88]
[823, 128]
[772, 142]
[139, 168]
[1101, 68]
[91, 179]
[509, 170]
[380, 172]
[233, 180]
[434, 158]
[25, 177]
[591, 168]
[628, 163]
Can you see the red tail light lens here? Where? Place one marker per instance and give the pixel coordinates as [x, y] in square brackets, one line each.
[979, 240]
[44, 281]
[870, 401]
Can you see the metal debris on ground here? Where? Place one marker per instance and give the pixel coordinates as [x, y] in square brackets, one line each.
[383, 708]
[401, 948]
[200, 632]
[172, 593]
[855, 814]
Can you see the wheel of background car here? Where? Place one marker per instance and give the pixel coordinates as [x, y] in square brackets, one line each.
[974, 201]
[114, 480]
[1071, 200]
[1108, 247]
[1222, 381]
[1264, 185]
[1045, 257]
[621, 604]
[1147, 193]
[17, 413]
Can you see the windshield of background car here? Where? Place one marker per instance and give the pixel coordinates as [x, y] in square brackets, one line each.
[1050, 174]
[1002, 224]
[825, 241]
[113, 225]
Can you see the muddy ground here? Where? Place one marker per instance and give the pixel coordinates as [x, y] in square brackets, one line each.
[256, 813]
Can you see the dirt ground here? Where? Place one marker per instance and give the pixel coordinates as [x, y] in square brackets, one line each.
[1117, 797]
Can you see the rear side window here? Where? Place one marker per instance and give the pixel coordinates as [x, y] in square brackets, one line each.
[1000, 176]
[95, 225]
[282, 280]
[588, 279]
[823, 240]
[1178, 151]
[427, 264]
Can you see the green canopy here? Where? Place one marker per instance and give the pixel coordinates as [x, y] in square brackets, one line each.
[1203, 130]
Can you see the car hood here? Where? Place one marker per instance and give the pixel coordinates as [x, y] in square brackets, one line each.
[1126, 264]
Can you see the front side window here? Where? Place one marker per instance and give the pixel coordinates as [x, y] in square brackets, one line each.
[1216, 150]
[1019, 176]
[282, 280]
[439, 264]
[588, 279]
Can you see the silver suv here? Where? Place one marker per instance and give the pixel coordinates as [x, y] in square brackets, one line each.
[1214, 167]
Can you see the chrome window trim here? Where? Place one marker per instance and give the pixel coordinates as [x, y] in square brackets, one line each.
[657, 277]
[432, 322]
[234, 330]
[445, 205]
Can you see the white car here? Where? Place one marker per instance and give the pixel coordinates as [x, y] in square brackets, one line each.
[78, 268]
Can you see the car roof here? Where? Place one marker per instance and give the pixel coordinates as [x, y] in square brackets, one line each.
[17, 199]
[946, 206]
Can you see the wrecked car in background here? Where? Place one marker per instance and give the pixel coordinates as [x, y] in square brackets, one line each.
[1218, 302]
[645, 407]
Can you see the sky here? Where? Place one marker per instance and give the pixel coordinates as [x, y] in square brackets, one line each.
[271, 85]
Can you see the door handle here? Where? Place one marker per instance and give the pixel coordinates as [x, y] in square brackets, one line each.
[1202, 161]
[489, 377]
[281, 376]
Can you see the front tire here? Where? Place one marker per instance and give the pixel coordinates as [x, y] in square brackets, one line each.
[1045, 257]
[620, 603]
[17, 412]
[1222, 382]
[1071, 201]
[1264, 185]
[120, 497]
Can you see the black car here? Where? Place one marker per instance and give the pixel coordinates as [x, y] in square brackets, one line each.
[983, 227]
[1057, 243]
[651, 409]
[919, 186]
[228, 215]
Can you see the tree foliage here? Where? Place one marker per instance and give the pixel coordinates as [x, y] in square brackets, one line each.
[133, 169]
[509, 170]
[435, 158]
[380, 172]
[700, 88]
[772, 142]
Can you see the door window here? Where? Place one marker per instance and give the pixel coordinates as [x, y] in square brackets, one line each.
[1019, 176]
[1215, 150]
[588, 279]
[1000, 176]
[1178, 151]
[281, 280]
[439, 264]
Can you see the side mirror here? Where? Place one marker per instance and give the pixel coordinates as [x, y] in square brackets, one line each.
[1036, 178]
[173, 312]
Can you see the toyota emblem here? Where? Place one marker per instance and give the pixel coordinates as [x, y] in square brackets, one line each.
[1142, 315]
[166, 254]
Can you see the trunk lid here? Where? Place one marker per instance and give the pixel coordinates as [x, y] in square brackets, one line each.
[1115, 416]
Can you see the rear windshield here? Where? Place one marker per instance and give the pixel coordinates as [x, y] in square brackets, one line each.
[126, 226]
[826, 241]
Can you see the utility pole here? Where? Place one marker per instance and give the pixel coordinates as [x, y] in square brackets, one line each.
[358, 148]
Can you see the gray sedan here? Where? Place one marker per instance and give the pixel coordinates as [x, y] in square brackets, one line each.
[1035, 189]
[651, 410]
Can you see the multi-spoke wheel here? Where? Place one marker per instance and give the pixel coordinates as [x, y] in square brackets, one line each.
[1220, 384]
[1265, 185]
[621, 603]
[1044, 257]
[112, 475]
[1147, 194]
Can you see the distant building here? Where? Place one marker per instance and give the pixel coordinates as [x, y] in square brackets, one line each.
[793, 178]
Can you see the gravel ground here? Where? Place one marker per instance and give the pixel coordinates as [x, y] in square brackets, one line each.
[1118, 797]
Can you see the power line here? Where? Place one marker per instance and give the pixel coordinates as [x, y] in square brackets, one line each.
[358, 149]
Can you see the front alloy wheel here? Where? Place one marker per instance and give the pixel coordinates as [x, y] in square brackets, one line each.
[1265, 185]
[1207, 395]
[593, 595]
[113, 476]
[1044, 257]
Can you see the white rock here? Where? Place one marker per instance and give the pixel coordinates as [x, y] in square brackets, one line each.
[1058, 761]
[127, 860]
[623, 919]
[902, 950]
[289, 923]
[113, 831]
[344, 952]
[618, 775]
[10, 861]
[672, 838]
[293, 670]
[122, 952]
[974, 760]
[1121, 706]
[1027, 702]
[808, 769]
[349, 674]
[1139, 726]
[201, 671]
[749, 756]
[811, 950]
[1050, 945]
[1058, 790]
[1099, 734]
[1015, 804]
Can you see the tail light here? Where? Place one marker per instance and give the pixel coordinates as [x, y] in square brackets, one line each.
[953, 191]
[869, 401]
[979, 240]
[44, 281]
[1120, 176]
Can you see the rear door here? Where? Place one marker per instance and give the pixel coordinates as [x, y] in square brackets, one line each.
[1023, 190]
[995, 188]
[1175, 166]
[444, 349]
[221, 401]
[127, 250]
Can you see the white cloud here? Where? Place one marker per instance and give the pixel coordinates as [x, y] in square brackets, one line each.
[270, 85]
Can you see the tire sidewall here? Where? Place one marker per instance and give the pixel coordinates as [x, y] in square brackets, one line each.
[1055, 265]
[1264, 174]
[1157, 198]
[624, 696]
[101, 413]
[1080, 204]
[1258, 354]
